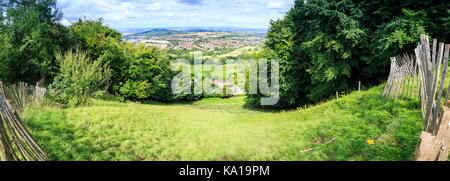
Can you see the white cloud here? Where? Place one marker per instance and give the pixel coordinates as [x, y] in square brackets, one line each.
[66, 22]
[280, 4]
[169, 14]
[275, 5]
[248, 10]
[154, 6]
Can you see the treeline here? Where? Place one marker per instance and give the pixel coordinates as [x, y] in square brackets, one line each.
[326, 46]
[80, 59]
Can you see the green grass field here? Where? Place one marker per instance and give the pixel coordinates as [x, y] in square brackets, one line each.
[234, 53]
[222, 129]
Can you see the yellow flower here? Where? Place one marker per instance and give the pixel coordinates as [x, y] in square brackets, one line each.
[370, 142]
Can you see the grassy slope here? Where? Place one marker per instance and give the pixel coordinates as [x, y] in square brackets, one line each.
[215, 129]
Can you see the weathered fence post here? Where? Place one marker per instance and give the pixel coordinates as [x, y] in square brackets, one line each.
[425, 70]
[16, 142]
[435, 148]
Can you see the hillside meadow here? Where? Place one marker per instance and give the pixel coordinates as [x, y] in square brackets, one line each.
[223, 129]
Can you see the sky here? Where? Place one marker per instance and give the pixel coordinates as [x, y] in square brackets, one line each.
[142, 14]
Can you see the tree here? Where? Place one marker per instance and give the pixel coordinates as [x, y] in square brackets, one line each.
[149, 74]
[30, 34]
[100, 41]
[328, 36]
[279, 45]
[328, 45]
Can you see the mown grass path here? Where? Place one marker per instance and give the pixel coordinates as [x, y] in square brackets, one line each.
[222, 129]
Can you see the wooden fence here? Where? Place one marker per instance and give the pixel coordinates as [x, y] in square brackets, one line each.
[16, 142]
[422, 76]
[403, 79]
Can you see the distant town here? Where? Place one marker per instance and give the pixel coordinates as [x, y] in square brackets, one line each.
[202, 40]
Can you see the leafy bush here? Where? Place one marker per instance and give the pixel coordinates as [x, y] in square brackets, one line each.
[79, 77]
[135, 89]
[145, 74]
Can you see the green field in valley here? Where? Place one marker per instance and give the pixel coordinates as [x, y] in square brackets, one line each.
[223, 129]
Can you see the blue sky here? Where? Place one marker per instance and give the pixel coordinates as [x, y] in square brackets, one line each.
[141, 14]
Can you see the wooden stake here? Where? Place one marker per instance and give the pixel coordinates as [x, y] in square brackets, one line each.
[433, 148]
[429, 81]
[435, 105]
[441, 86]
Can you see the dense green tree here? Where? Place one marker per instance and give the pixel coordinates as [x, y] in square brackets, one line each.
[93, 36]
[328, 35]
[279, 45]
[143, 74]
[100, 41]
[395, 27]
[328, 45]
[149, 75]
[30, 34]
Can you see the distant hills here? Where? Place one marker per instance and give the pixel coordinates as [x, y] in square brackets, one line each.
[172, 31]
[160, 32]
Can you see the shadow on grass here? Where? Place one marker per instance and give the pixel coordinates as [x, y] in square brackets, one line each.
[393, 125]
[265, 110]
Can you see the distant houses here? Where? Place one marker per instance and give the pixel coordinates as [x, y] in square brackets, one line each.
[209, 41]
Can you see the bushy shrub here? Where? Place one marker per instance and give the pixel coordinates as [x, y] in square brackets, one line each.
[145, 74]
[135, 89]
[79, 77]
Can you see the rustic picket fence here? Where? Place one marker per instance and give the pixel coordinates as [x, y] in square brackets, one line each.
[16, 142]
[422, 76]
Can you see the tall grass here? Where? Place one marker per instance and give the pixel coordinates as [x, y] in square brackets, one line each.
[222, 129]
